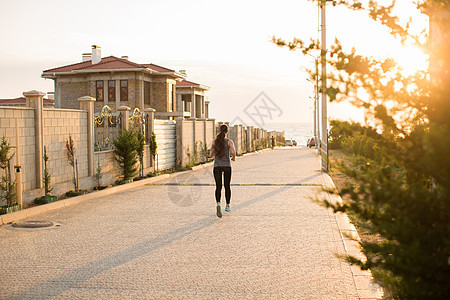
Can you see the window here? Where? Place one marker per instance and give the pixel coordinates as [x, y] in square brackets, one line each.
[170, 97]
[187, 102]
[124, 90]
[187, 106]
[146, 92]
[111, 90]
[99, 90]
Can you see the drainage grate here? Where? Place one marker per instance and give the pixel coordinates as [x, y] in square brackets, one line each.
[35, 225]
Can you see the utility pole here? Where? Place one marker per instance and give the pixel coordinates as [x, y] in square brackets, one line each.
[324, 119]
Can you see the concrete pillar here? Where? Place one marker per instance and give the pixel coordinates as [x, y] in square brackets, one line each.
[249, 138]
[35, 99]
[203, 137]
[125, 121]
[18, 167]
[179, 125]
[236, 138]
[87, 103]
[242, 138]
[57, 98]
[150, 112]
[194, 134]
[213, 129]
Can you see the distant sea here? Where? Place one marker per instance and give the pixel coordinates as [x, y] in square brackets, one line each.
[300, 132]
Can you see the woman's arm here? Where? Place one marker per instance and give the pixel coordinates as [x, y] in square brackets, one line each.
[211, 152]
[232, 149]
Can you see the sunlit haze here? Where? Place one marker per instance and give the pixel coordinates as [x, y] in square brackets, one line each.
[224, 45]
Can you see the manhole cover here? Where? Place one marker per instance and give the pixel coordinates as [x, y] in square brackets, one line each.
[34, 225]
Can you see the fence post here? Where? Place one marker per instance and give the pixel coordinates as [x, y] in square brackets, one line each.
[150, 112]
[249, 138]
[35, 99]
[202, 138]
[194, 137]
[87, 103]
[179, 124]
[235, 139]
[125, 116]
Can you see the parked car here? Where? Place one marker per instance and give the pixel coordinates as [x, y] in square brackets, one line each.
[294, 142]
[311, 143]
[288, 143]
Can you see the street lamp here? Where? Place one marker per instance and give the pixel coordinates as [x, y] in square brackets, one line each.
[324, 141]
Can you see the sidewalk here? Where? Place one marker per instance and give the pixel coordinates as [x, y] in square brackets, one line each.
[164, 241]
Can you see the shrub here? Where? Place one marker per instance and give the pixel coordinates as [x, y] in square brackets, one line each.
[7, 185]
[125, 153]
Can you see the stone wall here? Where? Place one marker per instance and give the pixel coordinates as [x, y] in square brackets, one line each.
[192, 134]
[33, 128]
[24, 118]
[59, 124]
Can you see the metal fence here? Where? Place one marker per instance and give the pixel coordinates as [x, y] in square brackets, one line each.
[139, 121]
[106, 127]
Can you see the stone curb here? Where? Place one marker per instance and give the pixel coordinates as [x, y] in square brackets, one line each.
[35, 210]
[363, 280]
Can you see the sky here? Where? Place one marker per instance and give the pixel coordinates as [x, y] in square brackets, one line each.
[225, 45]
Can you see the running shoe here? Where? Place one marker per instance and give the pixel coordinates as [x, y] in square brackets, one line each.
[227, 208]
[219, 213]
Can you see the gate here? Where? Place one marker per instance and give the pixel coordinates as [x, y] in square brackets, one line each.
[106, 128]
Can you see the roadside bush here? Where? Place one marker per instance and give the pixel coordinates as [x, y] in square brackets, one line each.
[125, 153]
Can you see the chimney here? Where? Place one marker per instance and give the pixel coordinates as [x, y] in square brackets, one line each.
[125, 57]
[87, 57]
[183, 73]
[96, 54]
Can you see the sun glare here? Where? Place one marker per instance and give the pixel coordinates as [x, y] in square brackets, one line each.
[410, 59]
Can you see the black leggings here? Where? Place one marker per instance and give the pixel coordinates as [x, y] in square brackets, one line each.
[227, 179]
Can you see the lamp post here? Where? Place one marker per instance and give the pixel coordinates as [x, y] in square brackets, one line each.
[324, 119]
[316, 101]
[316, 111]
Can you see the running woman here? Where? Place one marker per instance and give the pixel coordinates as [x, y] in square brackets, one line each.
[220, 149]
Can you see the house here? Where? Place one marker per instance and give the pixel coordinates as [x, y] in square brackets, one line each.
[191, 99]
[115, 82]
[21, 101]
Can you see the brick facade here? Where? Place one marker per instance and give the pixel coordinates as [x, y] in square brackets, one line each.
[69, 88]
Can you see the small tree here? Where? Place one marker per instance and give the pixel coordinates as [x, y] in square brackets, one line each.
[47, 177]
[140, 142]
[153, 145]
[70, 146]
[125, 153]
[204, 152]
[6, 184]
[98, 175]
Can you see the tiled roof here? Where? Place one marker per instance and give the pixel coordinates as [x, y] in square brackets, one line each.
[22, 100]
[187, 83]
[157, 68]
[107, 63]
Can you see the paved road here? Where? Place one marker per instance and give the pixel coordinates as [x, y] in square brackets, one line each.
[164, 241]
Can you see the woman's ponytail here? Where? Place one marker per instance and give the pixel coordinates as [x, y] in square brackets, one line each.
[219, 142]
